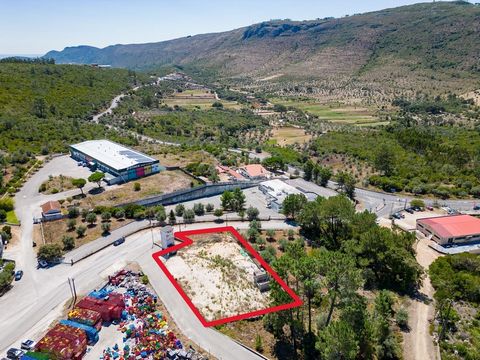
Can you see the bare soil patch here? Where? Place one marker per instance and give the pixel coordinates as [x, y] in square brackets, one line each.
[56, 184]
[164, 182]
[53, 231]
[217, 274]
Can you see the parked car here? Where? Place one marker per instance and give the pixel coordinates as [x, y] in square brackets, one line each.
[476, 207]
[18, 275]
[409, 210]
[119, 241]
[15, 354]
[28, 345]
[430, 208]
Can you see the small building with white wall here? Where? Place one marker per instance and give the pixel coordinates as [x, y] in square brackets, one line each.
[277, 190]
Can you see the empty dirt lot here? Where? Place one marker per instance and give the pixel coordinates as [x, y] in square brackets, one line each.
[217, 275]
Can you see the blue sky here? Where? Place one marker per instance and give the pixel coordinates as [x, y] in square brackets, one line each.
[36, 26]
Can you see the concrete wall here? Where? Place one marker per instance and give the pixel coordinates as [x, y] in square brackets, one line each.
[193, 193]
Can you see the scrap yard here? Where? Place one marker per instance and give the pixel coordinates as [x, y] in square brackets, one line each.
[122, 320]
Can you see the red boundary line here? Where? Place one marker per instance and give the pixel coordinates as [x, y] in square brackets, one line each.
[186, 241]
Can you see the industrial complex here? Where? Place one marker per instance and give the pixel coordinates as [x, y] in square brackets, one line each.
[119, 163]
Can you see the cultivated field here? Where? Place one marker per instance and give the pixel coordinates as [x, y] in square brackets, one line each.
[217, 275]
[202, 99]
[334, 112]
[289, 135]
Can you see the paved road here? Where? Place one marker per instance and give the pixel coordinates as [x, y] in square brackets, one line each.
[38, 299]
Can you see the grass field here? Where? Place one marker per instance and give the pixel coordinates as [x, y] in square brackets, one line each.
[336, 113]
[12, 218]
[289, 135]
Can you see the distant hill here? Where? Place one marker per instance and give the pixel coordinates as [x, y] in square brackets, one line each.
[432, 47]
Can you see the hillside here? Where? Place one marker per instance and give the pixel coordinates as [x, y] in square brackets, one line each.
[432, 47]
[38, 99]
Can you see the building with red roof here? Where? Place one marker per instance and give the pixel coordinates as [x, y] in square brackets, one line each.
[254, 172]
[455, 229]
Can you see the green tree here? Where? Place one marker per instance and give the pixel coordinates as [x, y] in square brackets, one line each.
[274, 163]
[81, 229]
[179, 209]
[79, 183]
[338, 342]
[238, 199]
[40, 108]
[293, 204]
[308, 170]
[199, 209]
[324, 175]
[252, 213]
[6, 277]
[91, 218]
[227, 200]
[106, 228]
[384, 160]
[346, 184]
[341, 278]
[49, 252]
[97, 178]
[106, 216]
[71, 223]
[218, 213]
[417, 203]
[68, 243]
[172, 220]
[188, 216]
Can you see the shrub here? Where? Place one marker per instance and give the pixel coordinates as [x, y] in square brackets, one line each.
[252, 213]
[81, 229]
[209, 207]
[199, 209]
[179, 209]
[3, 215]
[68, 243]
[6, 204]
[402, 318]
[91, 218]
[258, 343]
[119, 213]
[417, 203]
[137, 186]
[73, 212]
[49, 252]
[188, 216]
[71, 223]
[106, 216]
[106, 227]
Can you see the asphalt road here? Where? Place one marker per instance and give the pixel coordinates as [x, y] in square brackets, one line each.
[39, 298]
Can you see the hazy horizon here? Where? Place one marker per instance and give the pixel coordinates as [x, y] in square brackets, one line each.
[55, 24]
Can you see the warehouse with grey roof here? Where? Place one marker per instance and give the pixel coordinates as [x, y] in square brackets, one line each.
[119, 163]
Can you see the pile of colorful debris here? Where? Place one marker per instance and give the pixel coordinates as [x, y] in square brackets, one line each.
[109, 307]
[63, 342]
[146, 331]
[86, 317]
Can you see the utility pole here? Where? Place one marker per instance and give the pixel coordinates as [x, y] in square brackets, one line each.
[74, 292]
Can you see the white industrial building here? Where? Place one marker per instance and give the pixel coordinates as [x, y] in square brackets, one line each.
[119, 163]
[277, 190]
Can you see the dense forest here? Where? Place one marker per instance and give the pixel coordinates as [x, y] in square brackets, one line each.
[349, 279]
[456, 279]
[45, 107]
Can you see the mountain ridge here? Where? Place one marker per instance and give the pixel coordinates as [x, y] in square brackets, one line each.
[426, 42]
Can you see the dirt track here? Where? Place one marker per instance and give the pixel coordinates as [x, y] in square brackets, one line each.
[418, 344]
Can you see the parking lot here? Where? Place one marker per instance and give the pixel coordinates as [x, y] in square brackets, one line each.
[408, 222]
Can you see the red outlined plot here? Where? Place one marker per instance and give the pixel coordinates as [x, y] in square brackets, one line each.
[184, 236]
